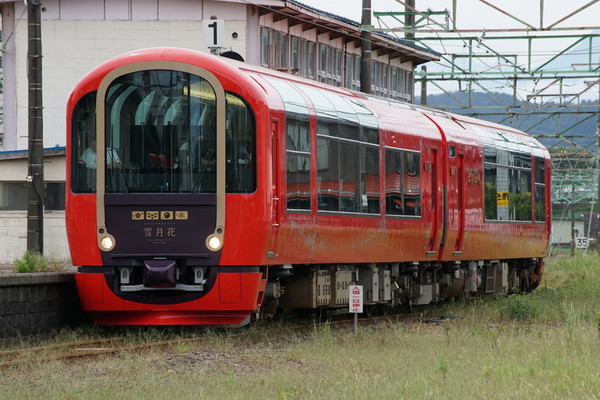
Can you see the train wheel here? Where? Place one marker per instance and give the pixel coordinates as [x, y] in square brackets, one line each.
[370, 310]
[384, 309]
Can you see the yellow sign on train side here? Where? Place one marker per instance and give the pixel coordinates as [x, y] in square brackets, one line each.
[502, 198]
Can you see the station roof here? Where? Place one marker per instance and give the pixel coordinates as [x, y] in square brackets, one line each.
[337, 26]
[20, 154]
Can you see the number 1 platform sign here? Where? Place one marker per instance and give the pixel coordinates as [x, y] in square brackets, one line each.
[214, 33]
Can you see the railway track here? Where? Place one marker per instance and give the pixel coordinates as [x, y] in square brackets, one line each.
[114, 345]
[80, 349]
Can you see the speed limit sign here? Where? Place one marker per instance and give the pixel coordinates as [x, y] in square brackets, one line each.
[581, 243]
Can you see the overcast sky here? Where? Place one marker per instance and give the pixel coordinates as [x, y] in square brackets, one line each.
[474, 14]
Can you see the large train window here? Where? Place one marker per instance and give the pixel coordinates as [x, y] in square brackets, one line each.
[160, 137]
[540, 189]
[347, 154]
[163, 122]
[297, 145]
[402, 182]
[507, 185]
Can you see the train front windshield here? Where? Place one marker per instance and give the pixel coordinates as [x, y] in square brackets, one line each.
[161, 137]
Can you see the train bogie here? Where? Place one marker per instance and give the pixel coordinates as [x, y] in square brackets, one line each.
[391, 284]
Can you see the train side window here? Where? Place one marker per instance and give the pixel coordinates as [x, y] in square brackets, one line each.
[402, 182]
[520, 194]
[347, 154]
[369, 179]
[508, 184]
[540, 189]
[491, 209]
[350, 199]
[451, 151]
[328, 173]
[297, 145]
[298, 162]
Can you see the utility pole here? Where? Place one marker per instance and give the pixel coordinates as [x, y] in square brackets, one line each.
[409, 19]
[35, 176]
[424, 86]
[365, 35]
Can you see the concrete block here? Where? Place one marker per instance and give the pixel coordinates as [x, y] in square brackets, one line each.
[34, 303]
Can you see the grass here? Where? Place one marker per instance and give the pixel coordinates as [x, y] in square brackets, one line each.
[541, 345]
[36, 262]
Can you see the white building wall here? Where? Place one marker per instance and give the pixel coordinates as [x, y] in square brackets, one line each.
[15, 170]
[13, 235]
[13, 224]
[77, 35]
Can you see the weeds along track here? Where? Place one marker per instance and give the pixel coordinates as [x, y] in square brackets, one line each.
[366, 321]
[345, 321]
[114, 345]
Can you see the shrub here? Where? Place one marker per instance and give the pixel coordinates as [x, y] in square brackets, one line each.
[520, 307]
[30, 262]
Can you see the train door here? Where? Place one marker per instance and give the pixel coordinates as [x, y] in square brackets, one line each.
[437, 202]
[461, 204]
[275, 194]
[457, 183]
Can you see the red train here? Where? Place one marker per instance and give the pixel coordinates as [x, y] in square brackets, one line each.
[225, 191]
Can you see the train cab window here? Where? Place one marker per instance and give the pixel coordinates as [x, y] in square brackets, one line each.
[240, 146]
[540, 189]
[161, 137]
[163, 124]
[83, 133]
[402, 182]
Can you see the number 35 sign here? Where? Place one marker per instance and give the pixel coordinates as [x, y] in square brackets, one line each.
[214, 32]
[581, 243]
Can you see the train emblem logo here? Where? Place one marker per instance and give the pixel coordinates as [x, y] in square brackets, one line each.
[159, 215]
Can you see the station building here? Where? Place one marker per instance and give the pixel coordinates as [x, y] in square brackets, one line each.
[77, 35]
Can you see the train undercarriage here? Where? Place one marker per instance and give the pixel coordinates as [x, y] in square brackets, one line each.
[391, 284]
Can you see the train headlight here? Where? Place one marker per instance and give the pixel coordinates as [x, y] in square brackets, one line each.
[214, 242]
[107, 243]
